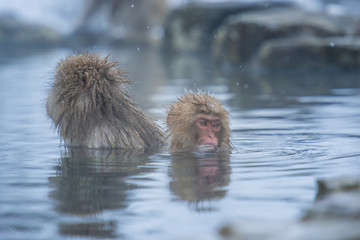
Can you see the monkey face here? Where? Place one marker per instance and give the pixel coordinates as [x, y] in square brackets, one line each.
[208, 130]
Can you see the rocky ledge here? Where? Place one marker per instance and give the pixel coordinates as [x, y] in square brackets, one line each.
[272, 35]
[335, 215]
[16, 33]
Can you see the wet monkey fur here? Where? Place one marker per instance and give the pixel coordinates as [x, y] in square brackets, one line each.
[90, 107]
[198, 122]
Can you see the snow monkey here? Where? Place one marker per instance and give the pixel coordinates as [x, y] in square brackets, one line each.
[198, 122]
[90, 107]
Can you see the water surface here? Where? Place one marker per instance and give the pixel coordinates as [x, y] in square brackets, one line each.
[286, 134]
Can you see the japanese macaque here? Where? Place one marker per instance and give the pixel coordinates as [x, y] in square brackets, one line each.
[198, 122]
[91, 108]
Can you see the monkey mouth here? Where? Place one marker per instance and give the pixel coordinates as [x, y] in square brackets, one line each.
[207, 148]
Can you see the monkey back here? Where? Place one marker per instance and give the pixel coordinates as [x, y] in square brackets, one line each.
[90, 107]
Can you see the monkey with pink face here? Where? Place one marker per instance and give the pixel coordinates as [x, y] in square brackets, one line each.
[90, 107]
[198, 122]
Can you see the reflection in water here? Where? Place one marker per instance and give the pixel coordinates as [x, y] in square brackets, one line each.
[197, 180]
[91, 229]
[90, 181]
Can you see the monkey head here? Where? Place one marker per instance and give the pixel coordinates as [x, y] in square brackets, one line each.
[198, 122]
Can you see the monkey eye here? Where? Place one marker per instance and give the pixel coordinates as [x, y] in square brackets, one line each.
[216, 125]
[203, 122]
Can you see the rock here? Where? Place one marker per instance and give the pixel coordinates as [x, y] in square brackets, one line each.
[274, 230]
[191, 26]
[272, 35]
[16, 33]
[239, 39]
[334, 216]
[328, 186]
[337, 198]
[309, 53]
[118, 22]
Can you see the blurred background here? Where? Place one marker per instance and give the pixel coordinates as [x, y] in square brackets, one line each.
[287, 71]
[235, 36]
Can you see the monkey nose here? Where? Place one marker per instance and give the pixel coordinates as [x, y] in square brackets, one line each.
[212, 140]
[212, 136]
[210, 133]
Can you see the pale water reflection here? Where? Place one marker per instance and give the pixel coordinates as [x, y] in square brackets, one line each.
[286, 133]
[199, 180]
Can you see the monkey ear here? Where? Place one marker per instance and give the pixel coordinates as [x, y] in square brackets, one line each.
[84, 81]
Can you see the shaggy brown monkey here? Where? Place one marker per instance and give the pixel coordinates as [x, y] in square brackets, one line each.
[198, 122]
[90, 107]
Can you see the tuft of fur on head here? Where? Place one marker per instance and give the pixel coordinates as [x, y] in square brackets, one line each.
[182, 116]
[90, 106]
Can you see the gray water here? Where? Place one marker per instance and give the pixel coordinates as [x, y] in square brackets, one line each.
[286, 134]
